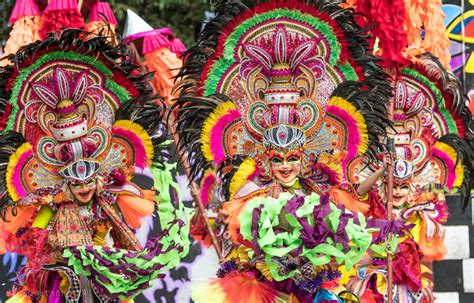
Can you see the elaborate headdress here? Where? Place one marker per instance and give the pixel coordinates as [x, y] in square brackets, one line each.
[431, 121]
[64, 102]
[279, 75]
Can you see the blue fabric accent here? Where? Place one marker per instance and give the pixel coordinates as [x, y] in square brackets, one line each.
[325, 296]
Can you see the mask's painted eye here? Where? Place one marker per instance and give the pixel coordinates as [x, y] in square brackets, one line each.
[404, 187]
[90, 182]
[76, 185]
[276, 160]
[293, 159]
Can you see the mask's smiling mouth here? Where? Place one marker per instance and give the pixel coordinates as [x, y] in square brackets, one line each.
[285, 172]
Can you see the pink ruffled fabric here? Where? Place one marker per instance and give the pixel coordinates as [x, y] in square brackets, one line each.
[24, 8]
[101, 11]
[153, 42]
[177, 46]
[55, 20]
[59, 5]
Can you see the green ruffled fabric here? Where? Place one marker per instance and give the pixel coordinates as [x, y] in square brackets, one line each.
[280, 244]
[168, 213]
[175, 242]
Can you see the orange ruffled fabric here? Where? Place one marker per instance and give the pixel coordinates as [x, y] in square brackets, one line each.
[233, 209]
[426, 15]
[433, 249]
[25, 31]
[22, 297]
[340, 196]
[238, 287]
[11, 224]
[166, 65]
[134, 208]
[103, 29]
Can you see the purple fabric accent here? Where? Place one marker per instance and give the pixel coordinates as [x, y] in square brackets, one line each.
[55, 293]
[395, 227]
[312, 236]
[289, 286]
[293, 204]
[255, 215]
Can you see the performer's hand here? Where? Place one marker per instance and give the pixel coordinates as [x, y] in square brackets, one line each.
[387, 160]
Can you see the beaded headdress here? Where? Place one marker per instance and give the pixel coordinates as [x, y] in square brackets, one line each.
[288, 75]
[75, 108]
[431, 121]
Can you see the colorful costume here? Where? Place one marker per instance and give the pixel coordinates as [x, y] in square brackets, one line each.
[277, 97]
[430, 123]
[79, 118]
[432, 160]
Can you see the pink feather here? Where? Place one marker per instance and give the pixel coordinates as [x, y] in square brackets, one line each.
[353, 132]
[206, 187]
[17, 174]
[216, 134]
[141, 158]
[451, 166]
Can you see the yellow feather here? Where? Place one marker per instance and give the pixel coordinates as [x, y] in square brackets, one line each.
[209, 124]
[354, 113]
[240, 177]
[140, 132]
[452, 154]
[12, 163]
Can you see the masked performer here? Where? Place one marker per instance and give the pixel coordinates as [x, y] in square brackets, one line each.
[431, 160]
[277, 97]
[79, 118]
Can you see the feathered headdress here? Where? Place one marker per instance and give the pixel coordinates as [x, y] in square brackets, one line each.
[74, 108]
[279, 75]
[431, 121]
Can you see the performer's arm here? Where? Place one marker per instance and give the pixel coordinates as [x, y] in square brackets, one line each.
[367, 184]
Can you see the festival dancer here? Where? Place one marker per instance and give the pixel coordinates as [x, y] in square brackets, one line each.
[79, 117]
[276, 98]
[431, 160]
[431, 157]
